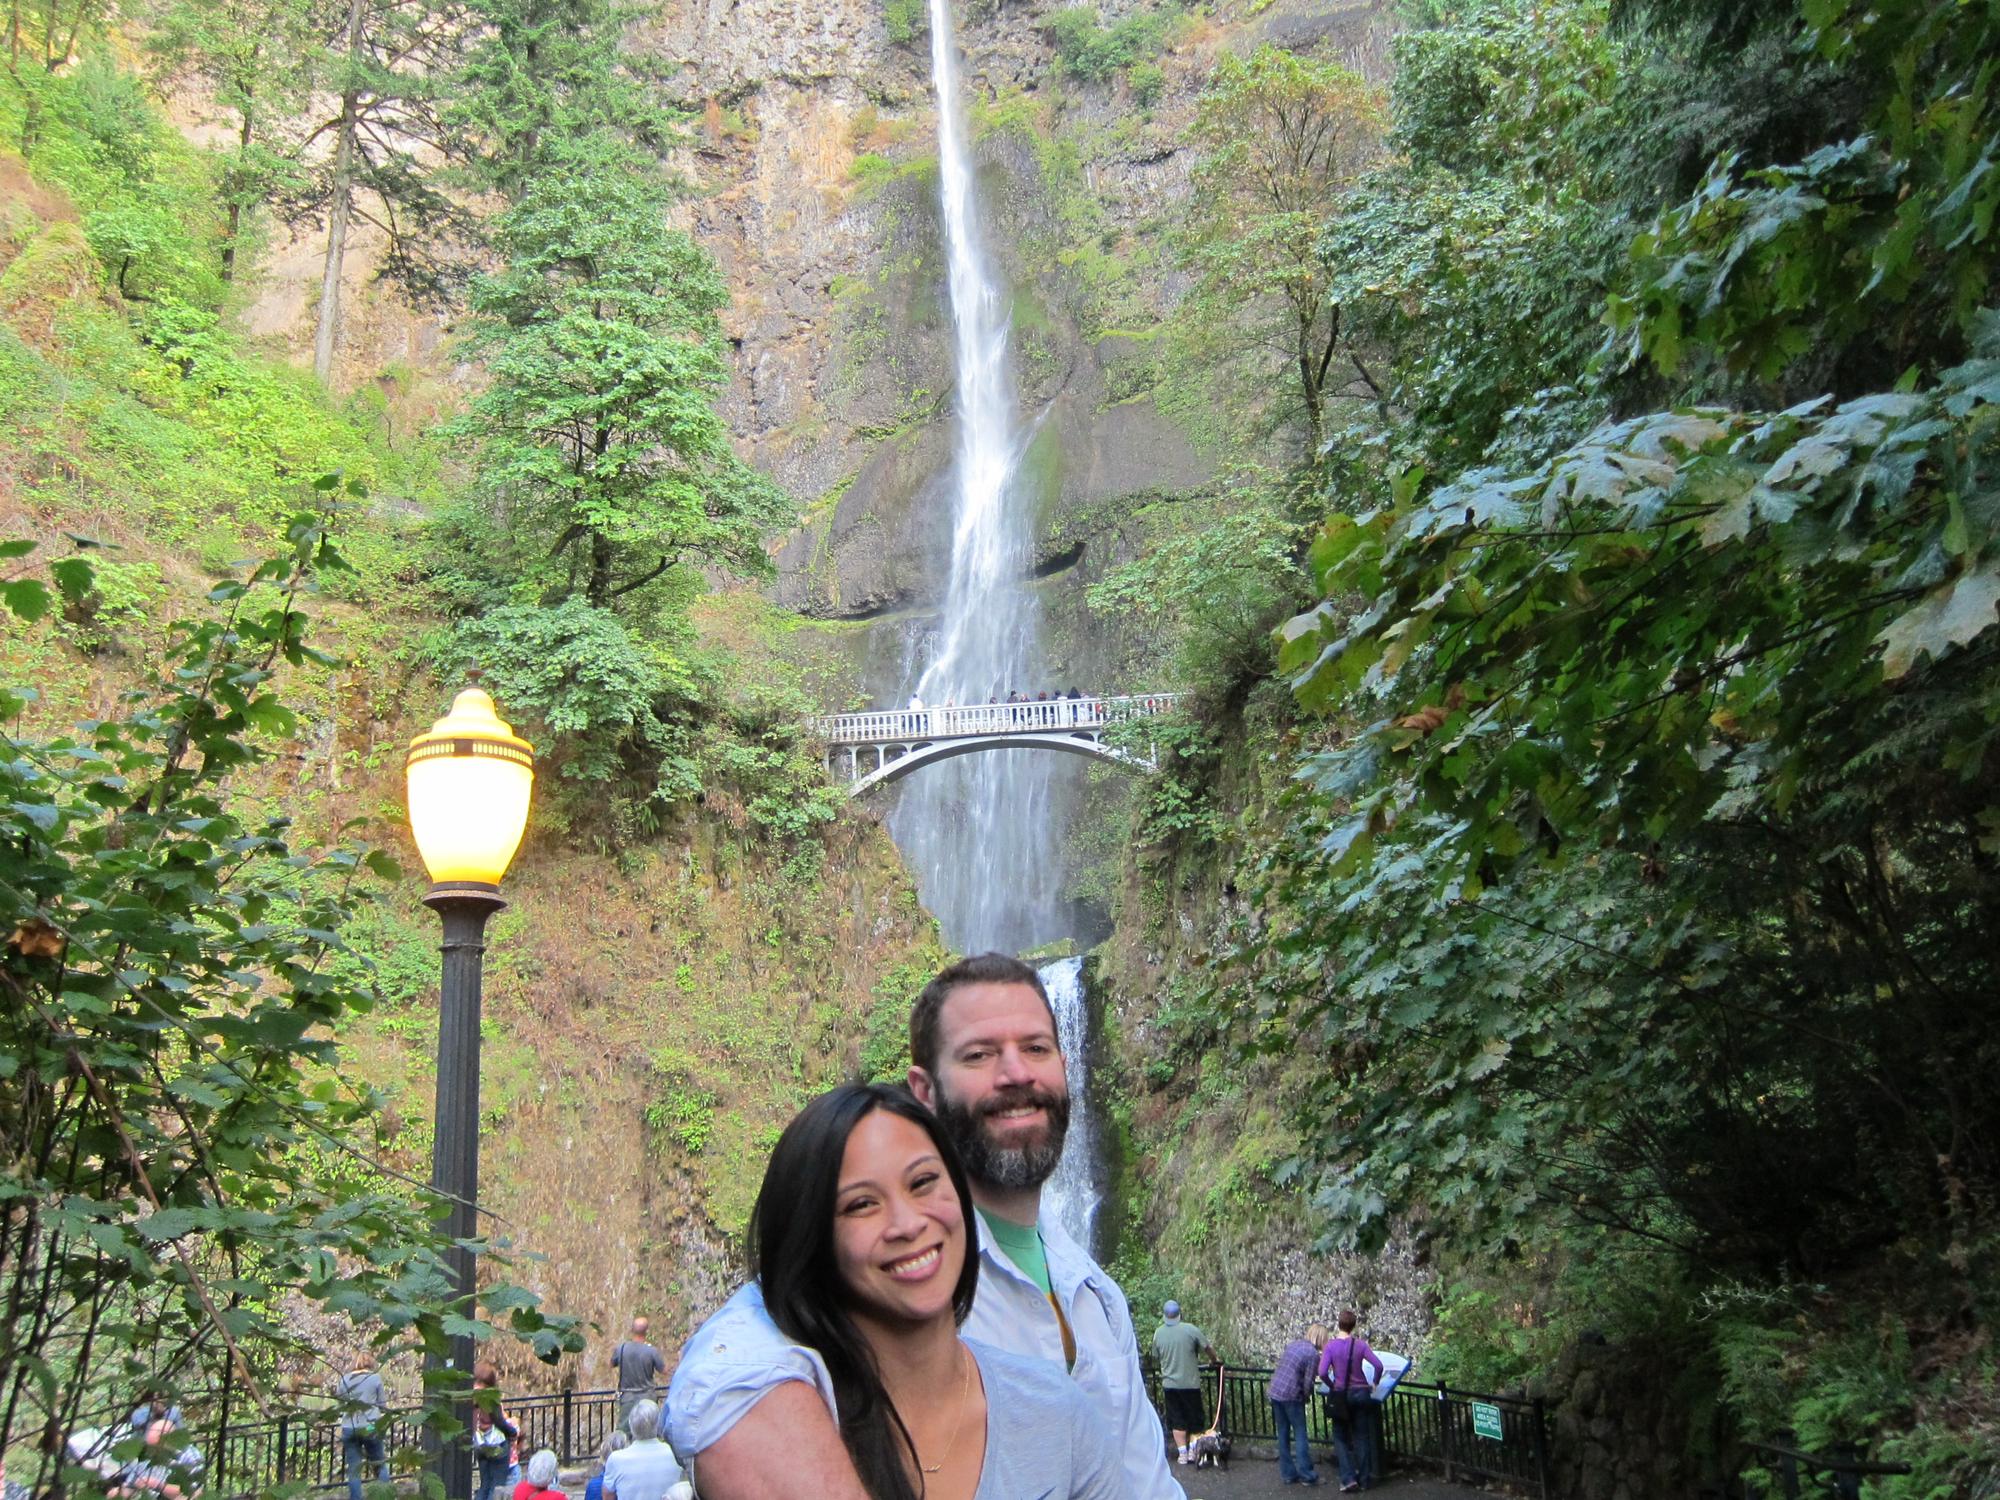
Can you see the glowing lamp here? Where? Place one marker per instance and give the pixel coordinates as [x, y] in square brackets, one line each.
[469, 780]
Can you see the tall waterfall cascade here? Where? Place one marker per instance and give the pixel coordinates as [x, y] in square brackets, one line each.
[983, 833]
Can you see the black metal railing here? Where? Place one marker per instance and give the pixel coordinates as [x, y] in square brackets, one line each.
[306, 1449]
[1425, 1424]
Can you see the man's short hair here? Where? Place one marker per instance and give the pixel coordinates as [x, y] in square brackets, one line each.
[644, 1422]
[981, 968]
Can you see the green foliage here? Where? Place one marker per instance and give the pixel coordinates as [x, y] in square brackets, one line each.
[683, 1112]
[905, 20]
[254, 61]
[1868, 256]
[1281, 140]
[1217, 588]
[1609, 681]
[1478, 1342]
[1147, 81]
[388, 955]
[1634, 888]
[97, 136]
[538, 73]
[885, 1048]
[1087, 49]
[388, 73]
[167, 1039]
[1473, 267]
[574, 669]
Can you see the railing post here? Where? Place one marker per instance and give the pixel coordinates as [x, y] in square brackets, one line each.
[1444, 1429]
[284, 1425]
[568, 1430]
[1542, 1445]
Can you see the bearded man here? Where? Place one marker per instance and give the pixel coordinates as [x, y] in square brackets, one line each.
[985, 1057]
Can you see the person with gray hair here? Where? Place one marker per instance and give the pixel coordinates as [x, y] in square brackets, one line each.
[615, 1439]
[646, 1468]
[539, 1476]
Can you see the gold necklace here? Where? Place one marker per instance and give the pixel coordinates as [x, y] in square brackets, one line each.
[964, 1390]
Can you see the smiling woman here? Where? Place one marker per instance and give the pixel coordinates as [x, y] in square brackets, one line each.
[860, 1242]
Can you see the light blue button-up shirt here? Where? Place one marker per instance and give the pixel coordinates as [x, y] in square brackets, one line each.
[739, 1355]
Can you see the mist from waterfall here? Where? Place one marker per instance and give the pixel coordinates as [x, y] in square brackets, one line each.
[981, 832]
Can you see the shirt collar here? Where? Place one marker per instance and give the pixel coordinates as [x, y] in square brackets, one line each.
[1069, 1267]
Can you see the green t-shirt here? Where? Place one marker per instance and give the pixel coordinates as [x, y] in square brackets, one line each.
[1178, 1346]
[1022, 1244]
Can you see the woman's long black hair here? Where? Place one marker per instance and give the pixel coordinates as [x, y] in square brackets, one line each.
[791, 1254]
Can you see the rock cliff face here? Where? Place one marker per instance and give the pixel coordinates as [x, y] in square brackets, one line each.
[817, 151]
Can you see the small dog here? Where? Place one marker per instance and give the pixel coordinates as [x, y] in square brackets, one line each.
[1209, 1449]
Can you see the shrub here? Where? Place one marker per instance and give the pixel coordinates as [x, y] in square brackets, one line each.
[905, 20]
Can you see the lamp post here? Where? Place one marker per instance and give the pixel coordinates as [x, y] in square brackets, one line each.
[469, 778]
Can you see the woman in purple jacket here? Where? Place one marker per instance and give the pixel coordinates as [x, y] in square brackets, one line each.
[1350, 1401]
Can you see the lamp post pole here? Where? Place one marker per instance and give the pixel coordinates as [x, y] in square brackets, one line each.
[464, 907]
[469, 777]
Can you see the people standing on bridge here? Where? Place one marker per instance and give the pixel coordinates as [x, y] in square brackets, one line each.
[915, 723]
[1350, 1400]
[640, 1367]
[986, 1059]
[1291, 1384]
[1178, 1349]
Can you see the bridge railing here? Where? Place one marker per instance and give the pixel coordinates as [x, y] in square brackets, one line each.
[964, 721]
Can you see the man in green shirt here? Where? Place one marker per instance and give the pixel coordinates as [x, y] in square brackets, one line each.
[1179, 1349]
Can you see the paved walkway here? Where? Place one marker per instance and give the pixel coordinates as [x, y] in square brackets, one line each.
[1257, 1479]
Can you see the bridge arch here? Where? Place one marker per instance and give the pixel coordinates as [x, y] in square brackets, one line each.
[928, 753]
[872, 749]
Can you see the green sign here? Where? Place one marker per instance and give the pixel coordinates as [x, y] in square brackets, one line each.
[1486, 1421]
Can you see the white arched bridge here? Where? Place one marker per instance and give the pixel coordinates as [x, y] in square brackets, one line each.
[870, 749]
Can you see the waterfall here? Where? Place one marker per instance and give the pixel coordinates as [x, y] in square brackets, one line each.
[982, 833]
[1072, 1194]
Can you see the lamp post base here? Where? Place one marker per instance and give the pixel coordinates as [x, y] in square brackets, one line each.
[464, 908]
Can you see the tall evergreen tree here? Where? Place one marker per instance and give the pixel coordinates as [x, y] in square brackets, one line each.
[599, 443]
[540, 72]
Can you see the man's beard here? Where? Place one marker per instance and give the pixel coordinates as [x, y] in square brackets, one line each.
[986, 1160]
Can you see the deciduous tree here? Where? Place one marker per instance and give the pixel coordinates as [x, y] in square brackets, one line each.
[1281, 140]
